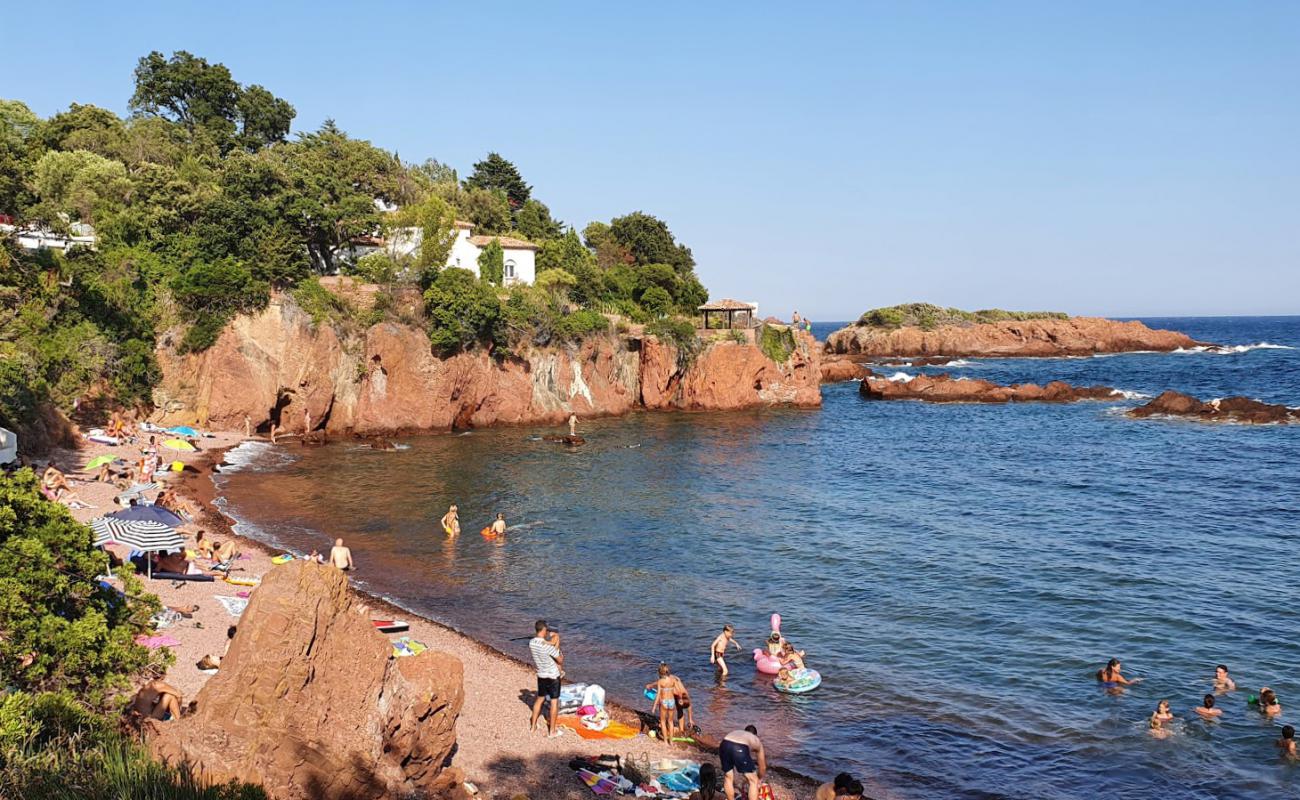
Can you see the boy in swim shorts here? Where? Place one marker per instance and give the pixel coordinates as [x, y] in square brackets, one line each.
[719, 648]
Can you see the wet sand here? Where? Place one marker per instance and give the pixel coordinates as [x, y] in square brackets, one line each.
[495, 749]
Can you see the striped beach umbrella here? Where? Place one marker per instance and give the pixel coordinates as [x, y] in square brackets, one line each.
[150, 513]
[142, 534]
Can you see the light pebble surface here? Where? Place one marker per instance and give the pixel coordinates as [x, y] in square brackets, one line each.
[495, 749]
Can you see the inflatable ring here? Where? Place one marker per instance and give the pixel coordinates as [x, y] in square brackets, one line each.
[801, 680]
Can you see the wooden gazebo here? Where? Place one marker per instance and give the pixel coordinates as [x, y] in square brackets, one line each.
[731, 308]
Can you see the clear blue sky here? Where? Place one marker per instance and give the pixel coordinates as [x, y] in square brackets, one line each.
[1120, 158]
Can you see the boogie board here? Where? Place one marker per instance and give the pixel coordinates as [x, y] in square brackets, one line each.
[390, 625]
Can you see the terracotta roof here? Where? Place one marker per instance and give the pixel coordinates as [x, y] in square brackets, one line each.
[728, 305]
[460, 223]
[507, 242]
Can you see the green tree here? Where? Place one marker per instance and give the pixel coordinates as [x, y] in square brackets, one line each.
[486, 209]
[535, 223]
[435, 219]
[657, 301]
[85, 127]
[263, 118]
[556, 280]
[497, 174]
[568, 254]
[492, 263]
[62, 630]
[189, 90]
[462, 311]
[18, 147]
[649, 241]
[80, 184]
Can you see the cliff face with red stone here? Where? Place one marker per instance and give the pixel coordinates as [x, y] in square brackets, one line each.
[276, 364]
[1077, 336]
[310, 703]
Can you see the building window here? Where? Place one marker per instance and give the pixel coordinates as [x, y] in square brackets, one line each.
[510, 270]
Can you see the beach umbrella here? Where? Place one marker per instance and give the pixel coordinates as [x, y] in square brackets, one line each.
[149, 514]
[99, 461]
[135, 490]
[184, 430]
[178, 444]
[138, 533]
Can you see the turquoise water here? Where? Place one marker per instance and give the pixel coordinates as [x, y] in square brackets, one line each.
[955, 572]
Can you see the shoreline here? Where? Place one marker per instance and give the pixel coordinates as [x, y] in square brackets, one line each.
[201, 490]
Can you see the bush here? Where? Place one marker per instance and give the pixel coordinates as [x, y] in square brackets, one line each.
[657, 302]
[203, 333]
[581, 324]
[680, 334]
[776, 343]
[322, 305]
[928, 316]
[462, 312]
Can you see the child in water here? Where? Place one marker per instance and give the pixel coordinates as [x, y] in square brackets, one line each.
[1160, 719]
[1268, 704]
[1287, 743]
[1208, 711]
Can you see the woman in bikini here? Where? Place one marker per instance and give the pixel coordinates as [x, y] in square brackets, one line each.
[1110, 677]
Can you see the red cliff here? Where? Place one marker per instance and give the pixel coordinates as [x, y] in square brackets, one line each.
[276, 364]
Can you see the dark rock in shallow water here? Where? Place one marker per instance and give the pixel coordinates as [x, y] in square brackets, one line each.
[946, 389]
[1229, 409]
[571, 441]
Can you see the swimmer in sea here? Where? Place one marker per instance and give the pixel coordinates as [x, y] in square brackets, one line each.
[1287, 743]
[1268, 704]
[1110, 675]
[499, 525]
[1223, 683]
[1161, 717]
[1208, 711]
[791, 657]
[665, 688]
[451, 521]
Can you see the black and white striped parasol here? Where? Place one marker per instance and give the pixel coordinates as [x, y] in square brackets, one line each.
[141, 534]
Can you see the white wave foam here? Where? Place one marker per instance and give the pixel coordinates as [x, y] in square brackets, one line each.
[959, 363]
[1127, 395]
[1232, 349]
[899, 377]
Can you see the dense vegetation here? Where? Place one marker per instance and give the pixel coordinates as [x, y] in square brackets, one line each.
[66, 656]
[201, 205]
[927, 316]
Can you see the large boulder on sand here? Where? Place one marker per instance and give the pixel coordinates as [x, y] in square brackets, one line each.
[311, 703]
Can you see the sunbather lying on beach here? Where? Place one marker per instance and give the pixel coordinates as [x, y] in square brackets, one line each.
[56, 487]
[1207, 709]
[157, 700]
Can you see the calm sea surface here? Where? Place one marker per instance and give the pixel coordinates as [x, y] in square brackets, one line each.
[956, 572]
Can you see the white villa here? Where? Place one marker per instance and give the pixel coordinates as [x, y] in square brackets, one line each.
[520, 255]
[38, 238]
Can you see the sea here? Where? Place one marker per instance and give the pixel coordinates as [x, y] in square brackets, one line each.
[956, 573]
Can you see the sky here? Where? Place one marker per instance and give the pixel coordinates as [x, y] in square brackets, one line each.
[1112, 158]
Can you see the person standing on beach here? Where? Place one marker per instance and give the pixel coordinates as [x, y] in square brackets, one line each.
[340, 556]
[742, 751]
[719, 647]
[573, 424]
[306, 422]
[544, 647]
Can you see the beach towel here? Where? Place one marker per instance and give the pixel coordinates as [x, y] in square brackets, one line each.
[406, 646]
[614, 730]
[686, 779]
[284, 558]
[596, 783]
[234, 605]
[154, 642]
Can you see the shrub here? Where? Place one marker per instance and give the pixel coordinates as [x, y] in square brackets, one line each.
[581, 324]
[777, 343]
[657, 302]
[322, 305]
[492, 263]
[203, 333]
[928, 316]
[462, 311]
[681, 335]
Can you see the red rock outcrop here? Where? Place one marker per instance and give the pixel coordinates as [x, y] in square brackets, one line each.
[1228, 409]
[276, 364]
[1077, 336]
[838, 368]
[946, 389]
[310, 703]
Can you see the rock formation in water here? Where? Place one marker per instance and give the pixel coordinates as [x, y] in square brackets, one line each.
[946, 389]
[310, 703]
[838, 368]
[1228, 409]
[1076, 336]
[274, 364]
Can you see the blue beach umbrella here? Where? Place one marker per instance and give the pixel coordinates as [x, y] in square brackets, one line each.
[149, 514]
[184, 430]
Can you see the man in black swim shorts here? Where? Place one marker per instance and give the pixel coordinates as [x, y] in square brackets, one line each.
[738, 753]
[545, 650]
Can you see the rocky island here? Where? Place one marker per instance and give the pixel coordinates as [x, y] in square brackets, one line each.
[921, 329]
[944, 388]
[1228, 409]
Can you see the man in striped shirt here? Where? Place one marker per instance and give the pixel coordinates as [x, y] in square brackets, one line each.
[545, 650]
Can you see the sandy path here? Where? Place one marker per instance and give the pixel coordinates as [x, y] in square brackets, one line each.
[495, 749]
